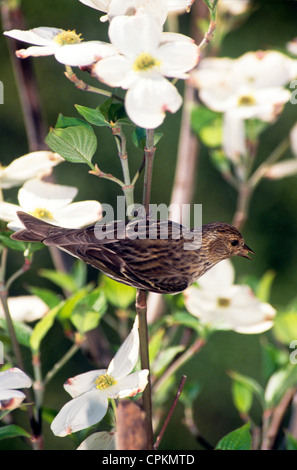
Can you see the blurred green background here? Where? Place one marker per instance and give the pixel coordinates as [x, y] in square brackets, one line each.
[271, 229]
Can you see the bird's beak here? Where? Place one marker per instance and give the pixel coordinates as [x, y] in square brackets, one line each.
[244, 252]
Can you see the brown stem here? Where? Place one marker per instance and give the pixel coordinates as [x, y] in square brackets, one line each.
[12, 18]
[182, 359]
[274, 419]
[243, 200]
[145, 364]
[172, 408]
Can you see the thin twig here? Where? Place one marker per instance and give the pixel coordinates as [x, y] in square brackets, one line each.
[274, 419]
[182, 359]
[172, 408]
[81, 85]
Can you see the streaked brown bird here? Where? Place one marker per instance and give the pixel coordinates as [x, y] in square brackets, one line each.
[160, 256]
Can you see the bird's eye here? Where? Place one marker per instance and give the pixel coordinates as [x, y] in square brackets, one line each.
[234, 242]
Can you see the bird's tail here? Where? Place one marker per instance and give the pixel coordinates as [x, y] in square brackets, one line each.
[36, 230]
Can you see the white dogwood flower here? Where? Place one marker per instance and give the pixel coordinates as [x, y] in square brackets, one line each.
[10, 381]
[146, 56]
[67, 46]
[221, 304]
[31, 165]
[157, 8]
[91, 390]
[249, 87]
[52, 203]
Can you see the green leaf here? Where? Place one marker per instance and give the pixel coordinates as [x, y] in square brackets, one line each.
[291, 442]
[249, 384]
[114, 113]
[212, 136]
[85, 321]
[93, 116]
[12, 430]
[239, 439]
[79, 273]
[63, 280]
[69, 304]
[139, 138]
[285, 326]
[202, 117]
[22, 330]
[49, 297]
[279, 383]
[88, 311]
[242, 397]
[76, 144]
[64, 121]
[185, 319]
[264, 286]
[42, 327]
[12, 244]
[118, 294]
[155, 343]
[165, 358]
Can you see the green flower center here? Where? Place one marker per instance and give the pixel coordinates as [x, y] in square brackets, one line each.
[246, 100]
[67, 37]
[104, 381]
[145, 62]
[41, 213]
[223, 302]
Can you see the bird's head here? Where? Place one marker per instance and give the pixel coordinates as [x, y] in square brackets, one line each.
[223, 241]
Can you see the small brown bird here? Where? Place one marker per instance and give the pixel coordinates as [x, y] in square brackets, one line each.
[165, 257]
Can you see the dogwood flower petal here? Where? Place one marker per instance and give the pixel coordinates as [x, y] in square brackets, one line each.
[35, 194]
[36, 51]
[11, 399]
[34, 164]
[115, 71]
[84, 53]
[14, 378]
[126, 357]
[148, 100]
[99, 441]
[10, 380]
[177, 57]
[25, 308]
[282, 169]
[114, 8]
[80, 413]
[79, 214]
[179, 5]
[234, 139]
[42, 36]
[82, 383]
[132, 35]
[130, 385]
